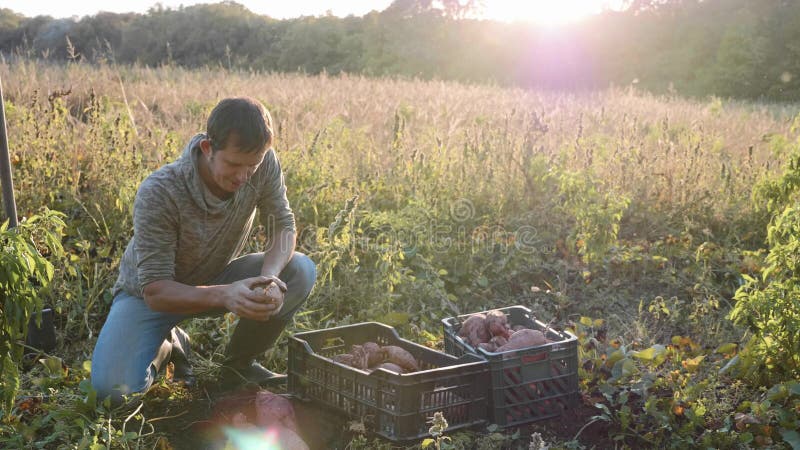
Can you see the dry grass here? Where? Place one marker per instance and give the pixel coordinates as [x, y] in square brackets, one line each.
[654, 149]
[413, 150]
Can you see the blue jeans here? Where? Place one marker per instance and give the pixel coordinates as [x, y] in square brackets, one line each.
[136, 342]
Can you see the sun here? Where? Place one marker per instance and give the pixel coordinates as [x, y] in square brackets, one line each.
[542, 12]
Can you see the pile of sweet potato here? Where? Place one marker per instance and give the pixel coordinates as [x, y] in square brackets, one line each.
[370, 356]
[492, 332]
[258, 416]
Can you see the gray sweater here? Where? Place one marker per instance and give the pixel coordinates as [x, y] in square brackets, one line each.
[182, 233]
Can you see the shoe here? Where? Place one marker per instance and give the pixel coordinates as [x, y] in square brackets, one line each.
[183, 373]
[182, 369]
[253, 373]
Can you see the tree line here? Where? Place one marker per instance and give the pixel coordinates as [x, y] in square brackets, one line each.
[730, 48]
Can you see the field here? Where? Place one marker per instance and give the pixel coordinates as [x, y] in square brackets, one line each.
[629, 218]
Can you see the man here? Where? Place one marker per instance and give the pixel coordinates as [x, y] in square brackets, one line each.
[191, 219]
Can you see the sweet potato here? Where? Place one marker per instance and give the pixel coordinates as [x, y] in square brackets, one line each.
[391, 367]
[474, 329]
[273, 409]
[374, 353]
[497, 323]
[401, 357]
[360, 357]
[285, 439]
[488, 346]
[267, 292]
[498, 341]
[248, 436]
[523, 339]
[345, 358]
[535, 337]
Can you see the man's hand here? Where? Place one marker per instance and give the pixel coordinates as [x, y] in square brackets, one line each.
[271, 293]
[241, 299]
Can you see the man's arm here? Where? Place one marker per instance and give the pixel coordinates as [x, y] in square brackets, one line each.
[173, 297]
[276, 216]
[278, 253]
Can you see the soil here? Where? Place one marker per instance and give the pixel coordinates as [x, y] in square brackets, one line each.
[201, 421]
[198, 420]
[567, 426]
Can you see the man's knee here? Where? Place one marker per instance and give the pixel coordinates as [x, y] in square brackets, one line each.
[300, 275]
[116, 374]
[305, 273]
[106, 387]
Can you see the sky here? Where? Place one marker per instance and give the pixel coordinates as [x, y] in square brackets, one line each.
[545, 12]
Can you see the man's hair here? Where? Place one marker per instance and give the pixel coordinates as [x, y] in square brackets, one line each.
[244, 119]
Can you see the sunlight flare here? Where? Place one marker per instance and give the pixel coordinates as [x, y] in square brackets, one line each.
[543, 12]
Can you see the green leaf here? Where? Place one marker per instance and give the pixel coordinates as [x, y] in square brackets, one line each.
[623, 368]
[86, 387]
[727, 349]
[778, 393]
[693, 364]
[427, 443]
[395, 318]
[614, 357]
[700, 409]
[791, 437]
[54, 366]
[650, 353]
[604, 408]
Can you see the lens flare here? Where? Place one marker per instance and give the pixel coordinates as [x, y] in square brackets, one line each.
[254, 439]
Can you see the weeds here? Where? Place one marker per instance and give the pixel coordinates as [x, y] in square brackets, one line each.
[421, 200]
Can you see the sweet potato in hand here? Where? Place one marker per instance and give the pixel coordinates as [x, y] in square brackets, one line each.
[268, 292]
[401, 357]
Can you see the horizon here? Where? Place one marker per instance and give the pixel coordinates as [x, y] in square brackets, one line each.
[539, 13]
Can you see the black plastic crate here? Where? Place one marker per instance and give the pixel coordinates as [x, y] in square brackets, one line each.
[530, 384]
[395, 406]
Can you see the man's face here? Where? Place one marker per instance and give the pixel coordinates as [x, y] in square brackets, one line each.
[228, 169]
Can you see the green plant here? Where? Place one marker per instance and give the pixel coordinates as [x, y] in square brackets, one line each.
[438, 425]
[668, 396]
[768, 307]
[25, 271]
[597, 214]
